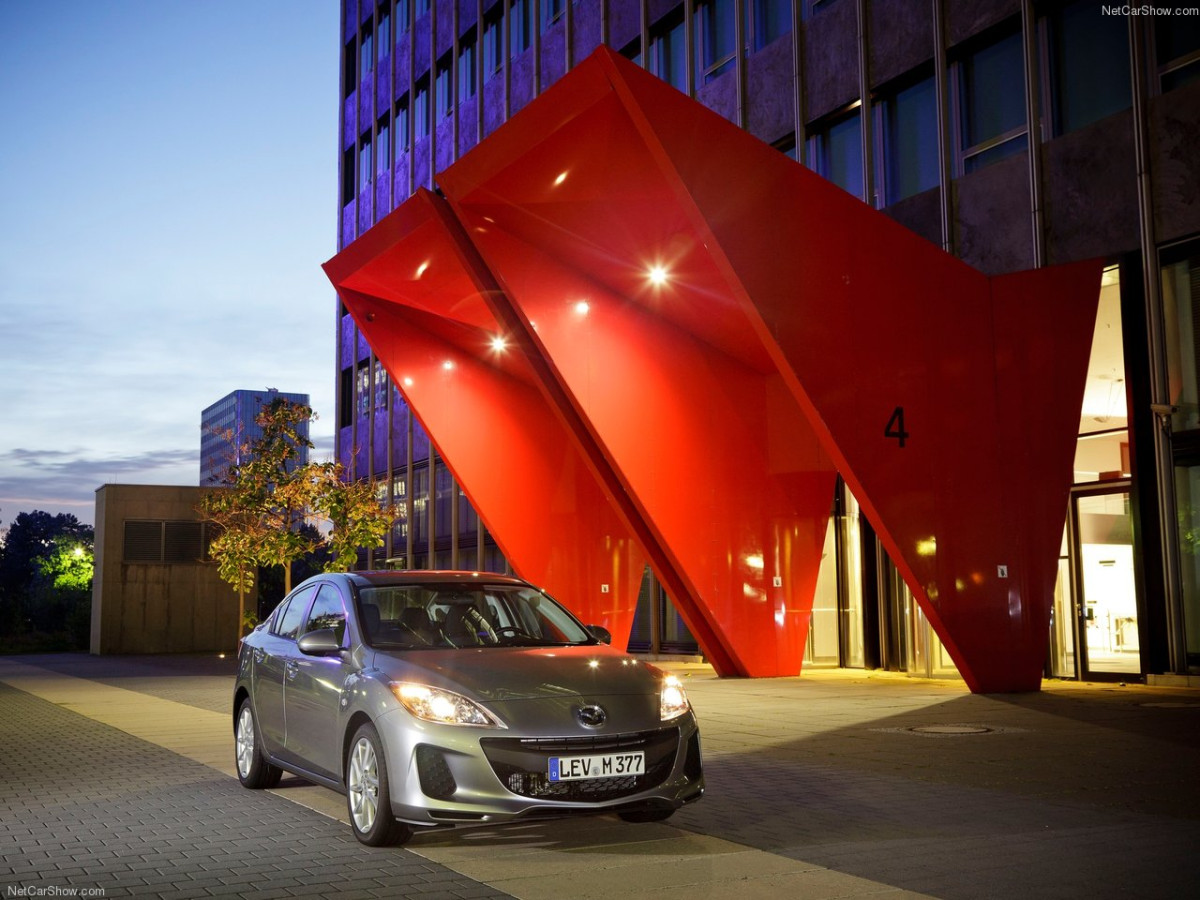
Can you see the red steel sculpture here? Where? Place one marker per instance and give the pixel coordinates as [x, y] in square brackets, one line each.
[705, 333]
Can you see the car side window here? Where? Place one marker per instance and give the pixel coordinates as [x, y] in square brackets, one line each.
[327, 612]
[287, 623]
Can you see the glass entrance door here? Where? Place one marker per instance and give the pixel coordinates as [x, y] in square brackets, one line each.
[1105, 595]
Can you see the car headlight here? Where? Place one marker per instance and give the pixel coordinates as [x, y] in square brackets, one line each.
[673, 701]
[442, 706]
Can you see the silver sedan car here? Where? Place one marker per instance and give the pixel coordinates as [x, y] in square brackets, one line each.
[441, 699]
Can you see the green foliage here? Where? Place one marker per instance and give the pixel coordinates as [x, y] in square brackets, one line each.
[45, 583]
[356, 517]
[269, 503]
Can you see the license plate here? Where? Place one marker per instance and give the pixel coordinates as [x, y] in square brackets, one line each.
[605, 765]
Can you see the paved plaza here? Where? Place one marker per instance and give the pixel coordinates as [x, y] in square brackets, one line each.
[116, 779]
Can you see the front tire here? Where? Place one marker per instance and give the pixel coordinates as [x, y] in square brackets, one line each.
[368, 796]
[253, 770]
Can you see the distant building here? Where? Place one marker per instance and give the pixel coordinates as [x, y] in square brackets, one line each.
[229, 426]
[155, 589]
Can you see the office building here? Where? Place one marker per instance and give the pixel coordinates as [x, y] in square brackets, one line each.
[1013, 135]
[229, 426]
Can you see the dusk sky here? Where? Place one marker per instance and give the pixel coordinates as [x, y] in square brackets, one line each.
[168, 191]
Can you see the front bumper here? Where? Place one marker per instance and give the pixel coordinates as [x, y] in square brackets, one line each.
[448, 775]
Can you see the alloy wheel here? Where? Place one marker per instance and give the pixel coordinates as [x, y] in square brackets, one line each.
[363, 785]
[245, 741]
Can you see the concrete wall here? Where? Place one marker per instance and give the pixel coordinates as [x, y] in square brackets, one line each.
[141, 607]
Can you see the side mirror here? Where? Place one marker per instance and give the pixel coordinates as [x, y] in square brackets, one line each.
[322, 642]
[600, 633]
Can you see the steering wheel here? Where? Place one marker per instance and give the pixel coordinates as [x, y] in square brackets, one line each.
[513, 631]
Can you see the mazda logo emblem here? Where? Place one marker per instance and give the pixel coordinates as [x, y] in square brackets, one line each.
[591, 716]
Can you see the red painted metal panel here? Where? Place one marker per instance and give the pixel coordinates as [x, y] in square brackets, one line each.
[948, 400]
[489, 420]
[719, 462]
[790, 314]
[671, 381]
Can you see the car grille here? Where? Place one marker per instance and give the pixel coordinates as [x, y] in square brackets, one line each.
[522, 765]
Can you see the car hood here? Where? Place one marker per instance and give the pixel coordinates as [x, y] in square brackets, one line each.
[500, 674]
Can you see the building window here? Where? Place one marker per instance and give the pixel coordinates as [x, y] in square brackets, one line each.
[364, 162]
[420, 7]
[362, 388]
[444, 496]
[493, 45]
[382, 387]
[383, 33]
[809, 8]
[787, 146]
[349, 68]
[366, 54]
[466, 66]
[1177, 50]
[401, 120]
[443, 89]
[668, 52]
[633, 51]
[400, 500]
[346, 399]
[991, 104]
[767, 20]
[836, 153]
[402, 17]
[552, 11]
[716, 38]
[518, 27]
[347, 175]
[164, 542]
[420, 110]
[383, 147]
[909, 139]
[1089, 70]
[420, 505]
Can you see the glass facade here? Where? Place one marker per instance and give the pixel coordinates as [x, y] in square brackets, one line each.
[837, 154]
[230, 425]
[991, 103]
[728, 53]
[909, 136]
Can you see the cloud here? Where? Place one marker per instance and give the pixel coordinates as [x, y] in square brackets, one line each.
[65, 480]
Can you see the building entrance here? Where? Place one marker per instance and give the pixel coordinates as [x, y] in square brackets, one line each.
[1105, 591]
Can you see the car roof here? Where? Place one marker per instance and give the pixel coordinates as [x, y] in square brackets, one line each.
[393, 577]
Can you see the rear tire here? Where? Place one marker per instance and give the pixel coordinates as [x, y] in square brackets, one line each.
[368, 796]
[253, 770]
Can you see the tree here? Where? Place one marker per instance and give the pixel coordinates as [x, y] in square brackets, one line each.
[46, 579]
[356, 517]
[270, 499]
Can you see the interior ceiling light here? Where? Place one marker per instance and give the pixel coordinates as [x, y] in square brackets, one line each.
[498, 342]
[562, 176]
[448, 365]
[657, 275]
[422, 267]
[582, 307]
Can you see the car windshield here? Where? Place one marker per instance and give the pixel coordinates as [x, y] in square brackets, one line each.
[448, 616]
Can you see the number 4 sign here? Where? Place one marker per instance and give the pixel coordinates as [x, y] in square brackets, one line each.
[895, 426]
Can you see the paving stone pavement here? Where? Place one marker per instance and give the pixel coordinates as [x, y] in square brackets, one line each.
[85, 807]
[817, 788]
